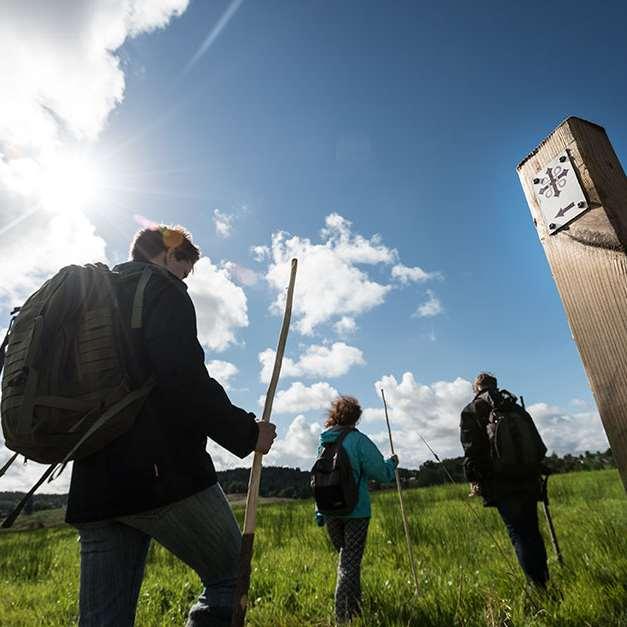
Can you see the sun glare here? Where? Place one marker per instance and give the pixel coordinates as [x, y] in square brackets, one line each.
[68, 183]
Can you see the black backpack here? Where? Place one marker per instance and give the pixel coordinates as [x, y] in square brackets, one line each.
[516, 448]
[66, 388]
[332, 480]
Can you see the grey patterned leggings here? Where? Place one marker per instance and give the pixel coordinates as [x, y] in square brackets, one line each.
[348, 536]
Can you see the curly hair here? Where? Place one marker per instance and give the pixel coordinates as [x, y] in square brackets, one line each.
[345, 411]
[483, 381]
[149, 242]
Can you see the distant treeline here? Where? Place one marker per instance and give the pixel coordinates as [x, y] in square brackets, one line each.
[433, 473]
[8, 500]
[293, 483]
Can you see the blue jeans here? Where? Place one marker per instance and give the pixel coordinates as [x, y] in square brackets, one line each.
[520, 515]
[200, 530]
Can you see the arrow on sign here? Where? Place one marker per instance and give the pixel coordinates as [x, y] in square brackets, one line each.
[563, 211]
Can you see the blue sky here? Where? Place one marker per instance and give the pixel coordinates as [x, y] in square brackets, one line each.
[397, 127]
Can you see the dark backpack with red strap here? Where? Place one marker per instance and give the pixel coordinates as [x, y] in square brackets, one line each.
[332, 480]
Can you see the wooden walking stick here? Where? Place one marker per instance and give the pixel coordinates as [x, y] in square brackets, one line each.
[547, 510]
[250, 517]
[400, 498]
[549, 520]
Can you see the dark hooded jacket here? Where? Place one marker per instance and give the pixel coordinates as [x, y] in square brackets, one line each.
[477, 457]
[162, 458]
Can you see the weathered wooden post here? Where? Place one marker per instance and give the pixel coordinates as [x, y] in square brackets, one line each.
[577, 192]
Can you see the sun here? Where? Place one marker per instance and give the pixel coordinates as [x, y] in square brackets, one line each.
[69, 182]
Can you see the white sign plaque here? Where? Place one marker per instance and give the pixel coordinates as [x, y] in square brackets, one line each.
[559, 193]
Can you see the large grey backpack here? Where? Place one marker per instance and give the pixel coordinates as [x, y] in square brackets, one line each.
[66, 387]
[516, 448]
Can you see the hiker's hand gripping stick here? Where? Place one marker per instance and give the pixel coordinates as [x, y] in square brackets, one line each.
[267, 435]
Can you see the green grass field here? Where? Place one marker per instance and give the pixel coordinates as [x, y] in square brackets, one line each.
[464, 579]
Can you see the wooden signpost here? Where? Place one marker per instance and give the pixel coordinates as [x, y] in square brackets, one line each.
[577, 192]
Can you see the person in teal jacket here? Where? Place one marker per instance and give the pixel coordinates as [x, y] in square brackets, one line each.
[348, 533]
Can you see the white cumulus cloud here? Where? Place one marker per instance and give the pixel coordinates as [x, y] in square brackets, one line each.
[21, 477]
[569, 432]
[354, 247]
[329, 284]
[223, 459]
[56, 242]
[406, 274]
[240, 273]
[372, 414]
[61, 78]
[345, 326]
[431, 307]
[317, 361]
[333, 283]
[260, 253]
[58, 63]
[223, 223]
[222, 371]
[433, 411]
[221, 306]
[296, 448]
[299, 445]
[300, 398]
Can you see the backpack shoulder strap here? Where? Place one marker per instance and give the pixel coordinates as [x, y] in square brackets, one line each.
[8, 464]
[341, 439]
[5, 341]
[138, 300]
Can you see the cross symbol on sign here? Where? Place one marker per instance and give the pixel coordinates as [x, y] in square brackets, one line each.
[558, 192]
[557, 180]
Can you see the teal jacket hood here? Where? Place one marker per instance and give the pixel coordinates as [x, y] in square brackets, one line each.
[331, 435]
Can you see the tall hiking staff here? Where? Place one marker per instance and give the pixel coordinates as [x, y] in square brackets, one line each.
[400, 497]
[549, 520]
[547, 510]
[250, 516]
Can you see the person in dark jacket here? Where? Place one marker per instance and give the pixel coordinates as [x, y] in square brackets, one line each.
[157, 480]
[514, 498]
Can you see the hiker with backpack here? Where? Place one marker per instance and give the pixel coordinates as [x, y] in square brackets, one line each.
[347, 460]
[503, 463]
[112, 368]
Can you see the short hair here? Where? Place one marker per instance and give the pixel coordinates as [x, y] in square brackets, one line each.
[484, 381]
[345, 411]
[150, 242]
